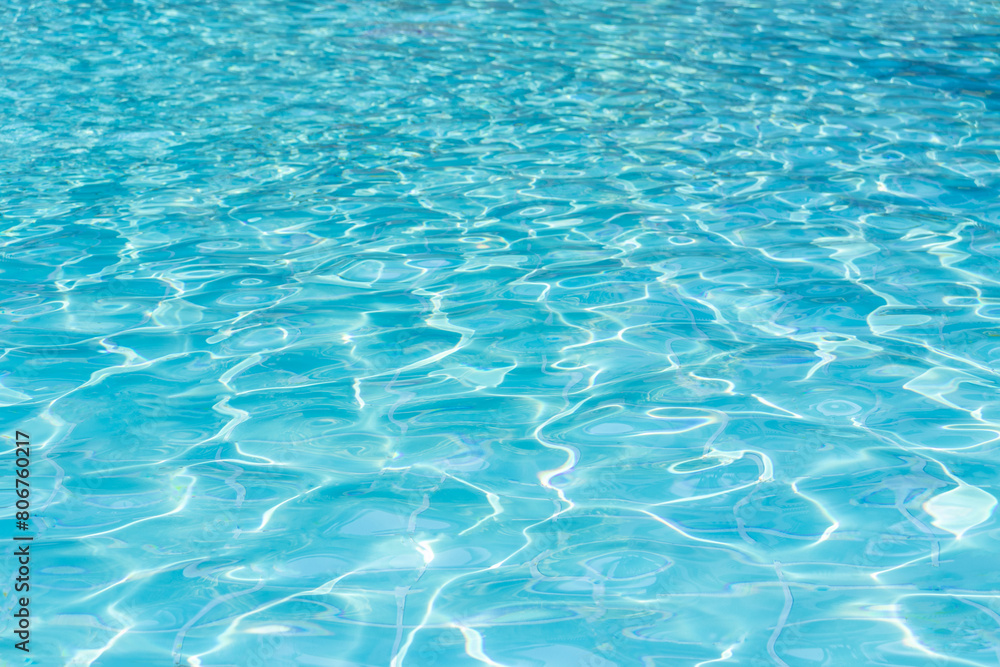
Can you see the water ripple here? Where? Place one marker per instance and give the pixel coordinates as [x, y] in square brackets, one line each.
[509, 333]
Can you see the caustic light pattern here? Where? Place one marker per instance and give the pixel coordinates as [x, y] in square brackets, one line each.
[504, 332]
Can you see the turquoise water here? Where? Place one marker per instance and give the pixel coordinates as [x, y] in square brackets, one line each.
[555, 333]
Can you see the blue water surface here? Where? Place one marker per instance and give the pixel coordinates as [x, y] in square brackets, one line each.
[516, 333]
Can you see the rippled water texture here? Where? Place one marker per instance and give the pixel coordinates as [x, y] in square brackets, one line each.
[556, 333]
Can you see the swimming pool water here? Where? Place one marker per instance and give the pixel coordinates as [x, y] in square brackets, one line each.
[537, 332]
